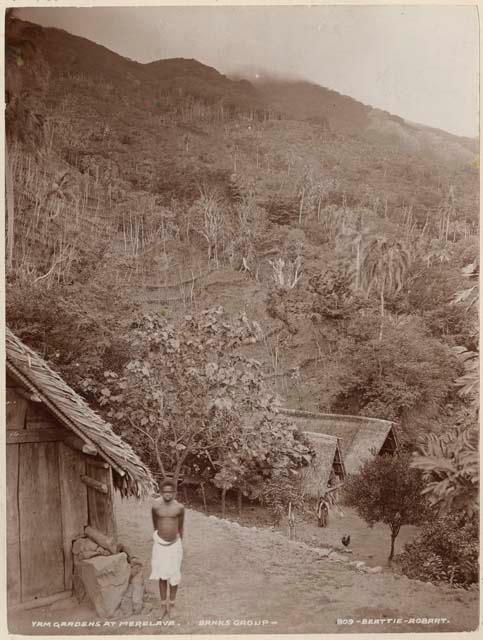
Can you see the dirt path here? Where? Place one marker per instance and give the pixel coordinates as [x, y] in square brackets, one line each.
[237, 579]
[235, 573]
[372, 545]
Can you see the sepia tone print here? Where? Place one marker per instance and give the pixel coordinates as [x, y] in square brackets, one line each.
[242, 357]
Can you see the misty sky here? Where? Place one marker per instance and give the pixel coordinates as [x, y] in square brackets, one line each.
[417, 62]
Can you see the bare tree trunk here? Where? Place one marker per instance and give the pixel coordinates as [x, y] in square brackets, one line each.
[240, 502]
[10, 209]
[382, 309]
[204, 497]
[301, 206]
[223, 502]
[179, 465]
[393, 540]
[358, 263]
[158, 458]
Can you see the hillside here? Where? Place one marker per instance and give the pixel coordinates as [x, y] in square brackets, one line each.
[192, 251]
[174, 188]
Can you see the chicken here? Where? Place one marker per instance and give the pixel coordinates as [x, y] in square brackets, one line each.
[346, 540]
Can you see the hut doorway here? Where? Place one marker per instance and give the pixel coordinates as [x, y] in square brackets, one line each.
[54, 492]
[35, 538]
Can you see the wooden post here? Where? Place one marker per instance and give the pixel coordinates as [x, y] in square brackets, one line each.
[73, 494]
[99, 463]
[41, 602]
[28, 395]
[291, 522]
[10, 209]
[95, 484]
[111, 503]
[14, 593]
[74, 442]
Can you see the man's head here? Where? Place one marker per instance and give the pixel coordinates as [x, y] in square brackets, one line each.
[168, 490]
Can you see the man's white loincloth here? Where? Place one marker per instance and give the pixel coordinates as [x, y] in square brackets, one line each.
[166, 560]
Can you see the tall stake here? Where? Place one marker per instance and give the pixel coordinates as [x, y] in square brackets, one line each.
[10, 209]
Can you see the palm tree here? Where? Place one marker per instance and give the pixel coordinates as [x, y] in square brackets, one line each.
[352, 243]
[384, 266]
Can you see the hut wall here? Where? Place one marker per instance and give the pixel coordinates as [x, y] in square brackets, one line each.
[46, 500]
[101, 505]
[73, 492]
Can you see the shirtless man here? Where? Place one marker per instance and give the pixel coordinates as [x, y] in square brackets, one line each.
[168, 523]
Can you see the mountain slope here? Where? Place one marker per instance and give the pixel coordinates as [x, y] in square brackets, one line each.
[298, 100]
[151, 175]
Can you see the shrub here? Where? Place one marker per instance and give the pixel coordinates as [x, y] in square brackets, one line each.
[75, 329]
[387, 490]
[446, 550]
[278, 491]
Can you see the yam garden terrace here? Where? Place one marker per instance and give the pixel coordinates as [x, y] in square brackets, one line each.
[63, 465]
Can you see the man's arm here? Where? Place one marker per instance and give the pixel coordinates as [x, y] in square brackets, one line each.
[181, 522]
[154, 517]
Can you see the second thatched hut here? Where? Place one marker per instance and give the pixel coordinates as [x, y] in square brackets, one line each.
[327, 468]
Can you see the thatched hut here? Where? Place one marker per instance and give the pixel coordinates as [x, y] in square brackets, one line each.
[63, 463]
[360, 438]
[327, 465]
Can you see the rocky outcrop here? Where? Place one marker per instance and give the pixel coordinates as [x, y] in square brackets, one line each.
[82, 549]
[106, 580]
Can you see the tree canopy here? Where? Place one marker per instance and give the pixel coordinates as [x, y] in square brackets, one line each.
[388, 490]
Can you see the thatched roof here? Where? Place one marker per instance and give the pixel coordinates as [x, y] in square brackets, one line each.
[328, 456]
[359, 436]
[131, 476]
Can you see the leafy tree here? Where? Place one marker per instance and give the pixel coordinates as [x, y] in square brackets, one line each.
[190, 403]
[388, 490]
[405, 376]
[450, 466]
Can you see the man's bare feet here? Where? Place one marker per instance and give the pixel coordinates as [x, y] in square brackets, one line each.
[171, 609]
[164, 611]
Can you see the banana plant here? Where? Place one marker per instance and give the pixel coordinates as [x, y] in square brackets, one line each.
[450, 466]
